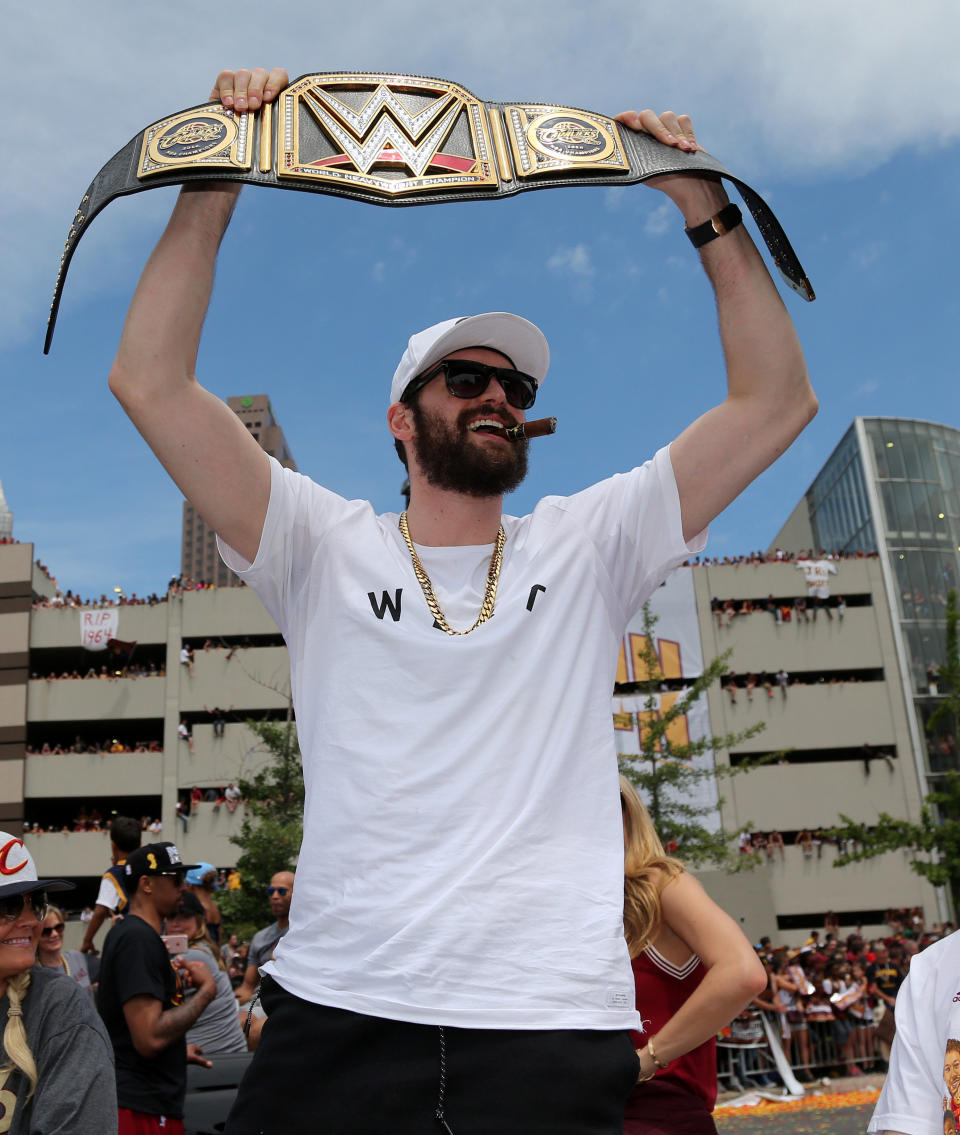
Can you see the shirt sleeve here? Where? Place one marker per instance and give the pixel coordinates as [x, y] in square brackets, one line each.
[635, 524]
[108, 895]
[299, 515]
[912, 1098]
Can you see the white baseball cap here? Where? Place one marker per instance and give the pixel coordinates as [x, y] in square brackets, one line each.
[512, 335]
[18, 872]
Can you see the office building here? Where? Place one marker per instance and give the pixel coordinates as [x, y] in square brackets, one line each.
[892, 486]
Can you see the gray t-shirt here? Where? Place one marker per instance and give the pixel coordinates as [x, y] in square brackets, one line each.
[76, 1090]
[217, 1030]
[263, 943]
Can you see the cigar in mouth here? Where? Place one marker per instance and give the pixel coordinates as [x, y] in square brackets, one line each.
[540, 428]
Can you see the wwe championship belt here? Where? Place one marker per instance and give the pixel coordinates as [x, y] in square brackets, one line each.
[399, 140]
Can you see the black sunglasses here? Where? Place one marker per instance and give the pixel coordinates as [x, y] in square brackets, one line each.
[12, 905]
[277, 891]
[468, 379]
[49, 931]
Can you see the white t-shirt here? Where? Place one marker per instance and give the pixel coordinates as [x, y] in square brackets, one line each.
[816, 574]
[462, 860]
[924, 1077]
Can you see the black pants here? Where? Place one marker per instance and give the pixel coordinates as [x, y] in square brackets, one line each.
[341, 1073]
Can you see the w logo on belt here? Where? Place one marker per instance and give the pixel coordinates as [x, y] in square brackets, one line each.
[396, 137]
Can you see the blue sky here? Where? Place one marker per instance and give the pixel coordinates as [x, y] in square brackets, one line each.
[845, 118]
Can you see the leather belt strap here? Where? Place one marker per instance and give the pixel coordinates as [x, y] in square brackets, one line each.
[394, 139]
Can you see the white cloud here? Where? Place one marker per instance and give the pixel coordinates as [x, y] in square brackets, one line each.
[573, 261]
[661, 220]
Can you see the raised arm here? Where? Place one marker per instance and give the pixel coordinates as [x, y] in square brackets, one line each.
[769, 398]
[201, 443]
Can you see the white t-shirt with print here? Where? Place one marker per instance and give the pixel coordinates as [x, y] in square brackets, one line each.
[816, 575]
[924, 1077]
[462, 860]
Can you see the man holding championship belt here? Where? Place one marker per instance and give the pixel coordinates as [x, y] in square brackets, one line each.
[455, 959]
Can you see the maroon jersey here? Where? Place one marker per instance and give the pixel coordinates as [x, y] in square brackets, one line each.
[661, 988]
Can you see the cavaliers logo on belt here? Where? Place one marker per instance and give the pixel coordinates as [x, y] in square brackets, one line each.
[5, 868]
[195, 138]
[569, 137]
[384, 133]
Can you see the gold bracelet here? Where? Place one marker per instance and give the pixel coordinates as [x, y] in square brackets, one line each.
[653, 1055]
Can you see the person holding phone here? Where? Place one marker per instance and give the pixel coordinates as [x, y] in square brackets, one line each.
[141, 997]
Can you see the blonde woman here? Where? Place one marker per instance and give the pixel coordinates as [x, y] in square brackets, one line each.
[56, 1063]
[79, 967]
[694, 971]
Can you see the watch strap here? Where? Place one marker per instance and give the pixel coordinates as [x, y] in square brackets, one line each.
[719, 224]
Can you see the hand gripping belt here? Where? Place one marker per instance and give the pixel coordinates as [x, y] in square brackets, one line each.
[394, 139]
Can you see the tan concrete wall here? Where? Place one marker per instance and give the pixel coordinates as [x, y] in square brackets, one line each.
[11, 782]
[255, 678]
[215, 761]
[225, 611]
[16, 562]
[60, 855]
[94, 775]
[208, 836]
[14, 631]
[95, 699]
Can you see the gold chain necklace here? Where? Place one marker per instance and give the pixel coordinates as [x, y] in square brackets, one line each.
[489, 595]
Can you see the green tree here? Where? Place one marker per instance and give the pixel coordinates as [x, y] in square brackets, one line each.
[934, 839]
[667, 773]
[269, 839]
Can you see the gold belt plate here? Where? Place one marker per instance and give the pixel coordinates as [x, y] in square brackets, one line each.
[390, 134]
[554, 140]
[211, 136]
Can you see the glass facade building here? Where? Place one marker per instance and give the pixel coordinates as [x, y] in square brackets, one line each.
[892, 487]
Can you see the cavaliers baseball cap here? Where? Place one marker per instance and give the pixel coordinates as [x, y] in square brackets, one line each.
[153, 859]
[18, 872]
[512, 335]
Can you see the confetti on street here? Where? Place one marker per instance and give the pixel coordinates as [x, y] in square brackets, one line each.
[830, 1113]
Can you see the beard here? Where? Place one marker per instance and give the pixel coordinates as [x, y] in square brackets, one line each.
[450, 460]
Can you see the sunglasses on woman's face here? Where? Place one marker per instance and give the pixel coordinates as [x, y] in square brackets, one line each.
[468, 379]
[49, 931]
[11, 906]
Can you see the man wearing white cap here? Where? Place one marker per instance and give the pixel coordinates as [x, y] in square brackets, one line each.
[456, 944]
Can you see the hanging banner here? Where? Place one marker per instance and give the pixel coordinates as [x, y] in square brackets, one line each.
[97, 626]
[677, 633]
[676, 643]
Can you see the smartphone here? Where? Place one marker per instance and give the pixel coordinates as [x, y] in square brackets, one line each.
[175, 943]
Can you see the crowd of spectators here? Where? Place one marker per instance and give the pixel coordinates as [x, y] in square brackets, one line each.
[777, 556]
[831, 1000]
[107, 745]
[70, 599]
[104, 671]
[796, 610]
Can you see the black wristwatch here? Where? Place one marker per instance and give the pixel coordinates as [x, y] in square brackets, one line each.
[718, 225]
